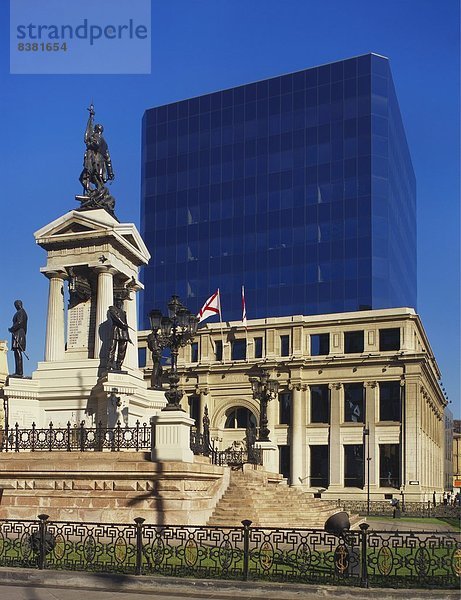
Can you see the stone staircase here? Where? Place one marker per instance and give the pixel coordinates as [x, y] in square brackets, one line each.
[267, 501]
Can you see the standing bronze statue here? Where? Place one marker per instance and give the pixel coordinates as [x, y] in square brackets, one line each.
[120, 336]
[97, 168]
[156, 349]
[18, 332]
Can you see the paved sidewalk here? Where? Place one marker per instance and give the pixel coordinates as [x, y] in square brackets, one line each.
[28, 584]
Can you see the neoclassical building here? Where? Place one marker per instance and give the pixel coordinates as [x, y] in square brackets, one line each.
[359, 407]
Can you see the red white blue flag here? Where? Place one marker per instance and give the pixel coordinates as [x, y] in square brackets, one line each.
[244, 308]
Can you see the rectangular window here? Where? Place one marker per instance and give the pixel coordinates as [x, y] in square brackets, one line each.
[354, 403]
[319, 467]
[389, 339]
[285, 408]
[389, 461]
[353, 342]
[284, 345]
[142, 357]
[258, 347]
[218, 349]
[353, 465]
[320, 404]
[389, 401]
[239, 350]
[320, 344]
[194, 352]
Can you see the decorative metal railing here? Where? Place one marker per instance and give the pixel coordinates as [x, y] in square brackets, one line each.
[201, 443]
[236, 458]
[77, 438]
[363, 558]
[80, 438]
[379, 508]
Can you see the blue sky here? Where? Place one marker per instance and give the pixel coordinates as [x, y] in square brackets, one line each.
[199, 46]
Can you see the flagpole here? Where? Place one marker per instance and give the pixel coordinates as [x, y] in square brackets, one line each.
[244, 320]
[223, 360]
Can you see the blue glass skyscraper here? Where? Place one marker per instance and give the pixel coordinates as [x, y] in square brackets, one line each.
[299, 187]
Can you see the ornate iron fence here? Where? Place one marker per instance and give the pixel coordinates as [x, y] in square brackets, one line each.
[364, 557]
[81, 438]
[380, 508]
[77, 438]
[201, 443]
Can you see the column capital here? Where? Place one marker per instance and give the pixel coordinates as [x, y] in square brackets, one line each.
[105, 269]
[371, 384]
[202, 390]
[134, 285]
[57, 274]
[297, 385]
[335, 386]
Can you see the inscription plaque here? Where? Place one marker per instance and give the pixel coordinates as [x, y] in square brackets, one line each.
[78, 326]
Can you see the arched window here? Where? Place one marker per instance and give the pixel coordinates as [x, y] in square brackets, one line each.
[239, 418]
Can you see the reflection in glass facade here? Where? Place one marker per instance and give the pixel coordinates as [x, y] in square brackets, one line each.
[299, 187]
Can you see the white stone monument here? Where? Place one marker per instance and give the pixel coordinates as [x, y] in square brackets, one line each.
[90, 258]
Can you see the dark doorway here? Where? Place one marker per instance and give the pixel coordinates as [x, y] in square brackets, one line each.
[284, 461]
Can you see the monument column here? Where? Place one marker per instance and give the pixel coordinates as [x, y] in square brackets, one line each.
[104, 299]
[54, 343]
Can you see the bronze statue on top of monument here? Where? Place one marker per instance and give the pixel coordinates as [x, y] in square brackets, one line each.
[97, 169]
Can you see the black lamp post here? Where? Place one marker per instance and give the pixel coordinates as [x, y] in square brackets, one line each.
[173, 331]
[264, 389]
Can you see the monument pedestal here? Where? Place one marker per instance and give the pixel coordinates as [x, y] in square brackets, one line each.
[270, 456]
[171, 439]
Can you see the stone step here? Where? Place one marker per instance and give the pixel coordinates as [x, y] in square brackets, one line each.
[268, 505]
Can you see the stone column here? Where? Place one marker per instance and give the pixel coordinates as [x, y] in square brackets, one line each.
[54, 343]
[298, 434]
[131, 358]
[104, 299]
[336, 450]
[371, 396]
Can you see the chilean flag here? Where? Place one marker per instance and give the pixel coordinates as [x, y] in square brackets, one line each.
[211, 307]
[244, 308]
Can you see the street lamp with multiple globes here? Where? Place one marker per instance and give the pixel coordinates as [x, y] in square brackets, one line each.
[264, 389]
[173, 331]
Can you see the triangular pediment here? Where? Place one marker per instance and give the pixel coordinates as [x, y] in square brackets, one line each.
[76, 223]
[73, 228]
[130, 239]
[82, 226]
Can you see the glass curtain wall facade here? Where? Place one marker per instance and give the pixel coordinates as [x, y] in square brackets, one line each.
[299, 187]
